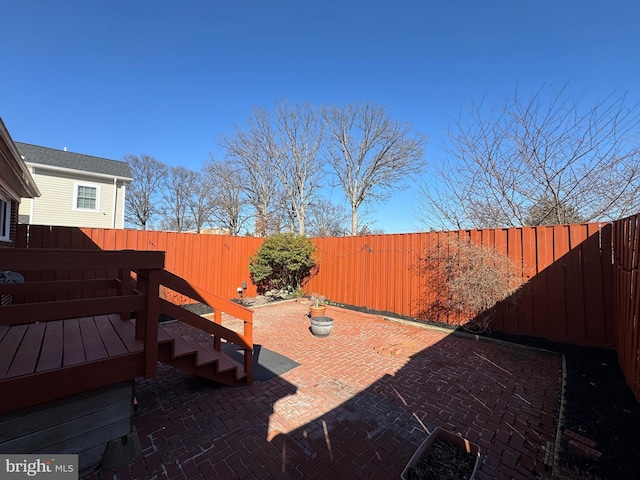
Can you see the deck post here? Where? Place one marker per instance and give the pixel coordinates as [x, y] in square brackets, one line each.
[248, 354]
[217, 318]
[149, 285]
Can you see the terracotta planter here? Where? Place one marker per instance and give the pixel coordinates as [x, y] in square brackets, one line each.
[321, 326]
[317, 311]
[439, 434]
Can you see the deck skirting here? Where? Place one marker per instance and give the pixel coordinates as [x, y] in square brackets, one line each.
[81, 424]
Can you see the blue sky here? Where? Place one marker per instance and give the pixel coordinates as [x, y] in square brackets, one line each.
[167, 78]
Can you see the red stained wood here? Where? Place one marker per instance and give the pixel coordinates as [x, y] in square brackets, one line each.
[126, 330]
[9, 346]
[73, 348]
[52, 343]
[26, 356]
[110, 338]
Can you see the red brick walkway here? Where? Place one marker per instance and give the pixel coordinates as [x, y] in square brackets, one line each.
[359, 404]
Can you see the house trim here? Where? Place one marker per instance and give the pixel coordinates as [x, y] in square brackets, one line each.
[13, 170]
[76, 172]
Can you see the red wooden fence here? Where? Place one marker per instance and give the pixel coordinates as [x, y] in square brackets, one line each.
[626, 234]
[566, 269]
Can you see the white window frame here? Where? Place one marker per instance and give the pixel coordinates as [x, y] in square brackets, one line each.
[76, 187]
[5, 218]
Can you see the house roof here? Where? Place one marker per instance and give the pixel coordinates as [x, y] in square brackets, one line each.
[73, 161]
[15, 178]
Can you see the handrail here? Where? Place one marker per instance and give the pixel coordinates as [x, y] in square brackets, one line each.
[180, 285]
[219, 305]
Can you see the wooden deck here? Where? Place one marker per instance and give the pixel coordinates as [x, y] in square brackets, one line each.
[68, 356]
[67, 328]
[39, 347]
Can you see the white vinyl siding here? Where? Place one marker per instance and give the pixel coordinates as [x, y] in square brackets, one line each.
[57, 204]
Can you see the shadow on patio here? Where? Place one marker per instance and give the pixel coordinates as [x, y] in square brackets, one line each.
[357, 407]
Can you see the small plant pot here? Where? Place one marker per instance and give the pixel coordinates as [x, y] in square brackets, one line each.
[317, 311]
[463, 452]
[321, 326]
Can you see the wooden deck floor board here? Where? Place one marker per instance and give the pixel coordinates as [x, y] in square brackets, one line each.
[3, 330]
[51, 352]
[127, 332]
[26, 357]
[110, 338]
[73, 348]
[93, 347]
[9, 346]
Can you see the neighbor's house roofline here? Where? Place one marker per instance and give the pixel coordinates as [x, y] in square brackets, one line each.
[13, 170]
[75, 171]
[69, 162]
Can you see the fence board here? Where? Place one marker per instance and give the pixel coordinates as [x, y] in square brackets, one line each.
[626, 295]
[381, 271]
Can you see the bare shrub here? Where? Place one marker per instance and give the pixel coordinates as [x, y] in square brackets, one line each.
[466, 281]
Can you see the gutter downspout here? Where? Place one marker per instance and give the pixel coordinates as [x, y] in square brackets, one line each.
[33, 200]
[115, 201]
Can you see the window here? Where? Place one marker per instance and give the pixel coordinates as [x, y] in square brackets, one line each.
[5, 219]
[86, 197]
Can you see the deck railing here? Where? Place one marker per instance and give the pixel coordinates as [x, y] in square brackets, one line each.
[63, 284]
[243, 340]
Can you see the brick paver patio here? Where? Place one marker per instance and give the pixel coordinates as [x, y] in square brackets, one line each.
[359, 404]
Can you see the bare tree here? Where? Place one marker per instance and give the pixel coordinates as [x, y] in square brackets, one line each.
[280, 154]
[143, 194]
[226, 191]
[371, 155]
[299, 165]
[538, 159]
[253, 149]
[327, 219]
[200, 206]
[176, 191]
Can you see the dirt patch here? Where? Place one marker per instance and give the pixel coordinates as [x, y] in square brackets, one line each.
[443, 461]
[600, 407]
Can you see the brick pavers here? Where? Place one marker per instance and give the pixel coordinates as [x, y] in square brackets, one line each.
[359, 404]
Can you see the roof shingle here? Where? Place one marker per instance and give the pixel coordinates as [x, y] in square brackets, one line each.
[75, 161]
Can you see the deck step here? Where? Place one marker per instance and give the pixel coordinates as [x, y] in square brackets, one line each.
[195, 357]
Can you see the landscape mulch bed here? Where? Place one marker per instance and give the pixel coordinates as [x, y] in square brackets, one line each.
[600, 406]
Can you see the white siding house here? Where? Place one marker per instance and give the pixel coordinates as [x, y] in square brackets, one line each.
[77, 190]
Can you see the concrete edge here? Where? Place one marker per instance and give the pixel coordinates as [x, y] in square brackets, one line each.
[556, 450]
[469, 336]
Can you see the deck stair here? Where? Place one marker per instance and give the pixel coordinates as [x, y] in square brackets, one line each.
[197, 358]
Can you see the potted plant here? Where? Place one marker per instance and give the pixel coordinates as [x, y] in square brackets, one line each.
[443, 455]
[318, 307]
